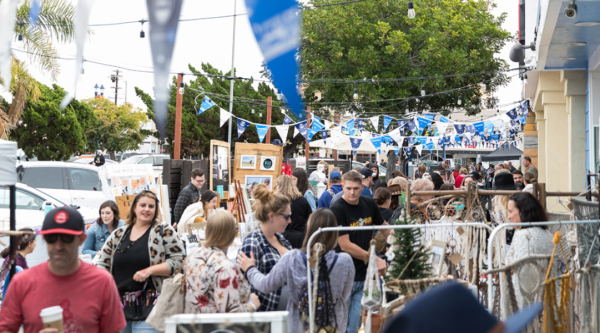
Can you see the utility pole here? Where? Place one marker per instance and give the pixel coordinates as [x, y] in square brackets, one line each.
[269, 101]
[231, 82]
[178, 103]
[307, 148]
[115, 79]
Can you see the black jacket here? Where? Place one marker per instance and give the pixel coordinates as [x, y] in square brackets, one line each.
[296, 230]
[99, 160]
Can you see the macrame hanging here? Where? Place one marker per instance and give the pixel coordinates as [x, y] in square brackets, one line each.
[372, 292]
[557, 315]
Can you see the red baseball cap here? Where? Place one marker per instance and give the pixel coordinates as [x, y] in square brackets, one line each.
[63, 220]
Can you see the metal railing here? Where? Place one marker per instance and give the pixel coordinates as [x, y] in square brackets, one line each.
[526, 224]
[372, 228]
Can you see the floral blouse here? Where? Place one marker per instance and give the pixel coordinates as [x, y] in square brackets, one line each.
[213, 284]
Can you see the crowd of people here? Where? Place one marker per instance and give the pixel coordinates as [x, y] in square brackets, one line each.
[134, 255]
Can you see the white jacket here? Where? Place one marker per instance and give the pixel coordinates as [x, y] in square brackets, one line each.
[189, 216]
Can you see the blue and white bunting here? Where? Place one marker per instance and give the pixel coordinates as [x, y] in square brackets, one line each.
[241, 126]
[401, 123]
[387, 120]
[316, 125]
[479, 127]
[324, 135]
[311, 133]
[355, 142]
[301, 128]
[360, 123]
[460, 128]
[350, 124]
[207, 103]
[375, 122]
[262, 131]
[283, 132]
[376, 143]
[287, 120]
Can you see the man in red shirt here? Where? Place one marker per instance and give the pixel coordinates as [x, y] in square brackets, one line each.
[87, 295]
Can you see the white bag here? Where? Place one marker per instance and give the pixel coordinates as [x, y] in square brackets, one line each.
[189, 216]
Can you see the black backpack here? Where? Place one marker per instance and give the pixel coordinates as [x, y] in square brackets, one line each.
[325, 306]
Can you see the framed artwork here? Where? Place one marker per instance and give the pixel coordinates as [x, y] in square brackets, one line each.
[437, 256]
[267, 163]
[252, 181]
[248, 162]
[219, 165]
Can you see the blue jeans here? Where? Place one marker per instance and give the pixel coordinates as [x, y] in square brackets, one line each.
[138, 327]
[353, 305]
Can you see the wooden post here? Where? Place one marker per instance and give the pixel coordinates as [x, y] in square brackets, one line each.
[407, 207]
[178, 103]
[336, 120]
[307, 148]
[469, 190]
[543, 195]
[269, 101]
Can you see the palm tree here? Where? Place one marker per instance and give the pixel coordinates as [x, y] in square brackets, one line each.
[55, 24]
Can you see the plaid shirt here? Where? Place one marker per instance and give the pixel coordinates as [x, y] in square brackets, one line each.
[187, 196]
[266, 258]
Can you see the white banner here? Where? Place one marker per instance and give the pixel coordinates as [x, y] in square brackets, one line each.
[224, 116]
[84, 8]
[283, 132]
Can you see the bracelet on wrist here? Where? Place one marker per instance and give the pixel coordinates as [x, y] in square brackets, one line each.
[253, 306]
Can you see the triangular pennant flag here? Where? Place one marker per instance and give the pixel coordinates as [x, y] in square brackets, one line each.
[301, 127]
[441, 127]
[350, 124]
[512, 114]
[262, 131]
[327, 124]
[315, 118]
[241, 126]
[395, 134]
[316, 125]
[206, 104]
[287, 120]
[387, 120]
[375, 122]
[423, 122]
[376, 143]
[401, 123]
[355, 143]
[311, 133]
[419, 149]
[412, 126]
[283, 132]
[360, 123]
[296, 132]
[224, 116]
[429, 116]
[276, 26]
[324, 135]
[479, 127]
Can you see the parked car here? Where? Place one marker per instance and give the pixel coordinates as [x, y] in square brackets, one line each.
[155, 159]
[30, 214]
[126, 156]
[71, 183]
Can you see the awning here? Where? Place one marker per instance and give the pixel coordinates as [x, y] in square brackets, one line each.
[503, 154]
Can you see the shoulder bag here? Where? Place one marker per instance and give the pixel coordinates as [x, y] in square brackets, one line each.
[171, 300]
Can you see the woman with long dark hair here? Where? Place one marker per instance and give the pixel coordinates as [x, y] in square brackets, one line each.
[26, 245]
[528, 240]
[291, 269]
[98, 233]
[300, 179]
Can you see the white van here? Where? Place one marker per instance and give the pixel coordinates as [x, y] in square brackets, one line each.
[71, 183]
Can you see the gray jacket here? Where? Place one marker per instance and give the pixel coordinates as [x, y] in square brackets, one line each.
[291, 271]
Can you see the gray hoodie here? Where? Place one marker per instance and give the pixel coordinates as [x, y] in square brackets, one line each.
[291, 271]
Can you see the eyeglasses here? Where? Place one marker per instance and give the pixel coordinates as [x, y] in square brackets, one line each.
[286, 217]
[52, 238]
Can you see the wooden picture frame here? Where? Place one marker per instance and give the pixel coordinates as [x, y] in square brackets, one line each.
[248, 162]
[437, 257]
[220, 165]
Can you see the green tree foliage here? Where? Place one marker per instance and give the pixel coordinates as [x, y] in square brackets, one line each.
[410, 256]
[198, 130]
[49, 133]
[116, 128]
[376, 39]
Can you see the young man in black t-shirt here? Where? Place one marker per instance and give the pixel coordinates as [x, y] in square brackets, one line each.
[354, 210]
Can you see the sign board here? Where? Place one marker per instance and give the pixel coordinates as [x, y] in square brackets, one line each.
[268, 161]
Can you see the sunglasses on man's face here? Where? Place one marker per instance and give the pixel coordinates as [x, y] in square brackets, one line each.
[52, 238]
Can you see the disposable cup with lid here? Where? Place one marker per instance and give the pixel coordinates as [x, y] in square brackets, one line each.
[51, 314]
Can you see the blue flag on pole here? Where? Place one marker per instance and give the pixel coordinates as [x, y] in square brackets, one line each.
[242, 125]
[206, 104]
[324, 135]
[287, 120]
[386, 122]
[276, 26]
[262, 131]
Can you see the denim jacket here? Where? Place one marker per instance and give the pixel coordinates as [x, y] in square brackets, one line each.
[96, 237]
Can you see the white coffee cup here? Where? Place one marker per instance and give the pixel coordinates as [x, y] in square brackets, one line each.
[52, 317]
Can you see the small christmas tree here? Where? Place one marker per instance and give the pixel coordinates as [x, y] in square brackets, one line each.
[410, 257]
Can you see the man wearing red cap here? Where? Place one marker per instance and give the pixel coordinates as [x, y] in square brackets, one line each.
[87, 295]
